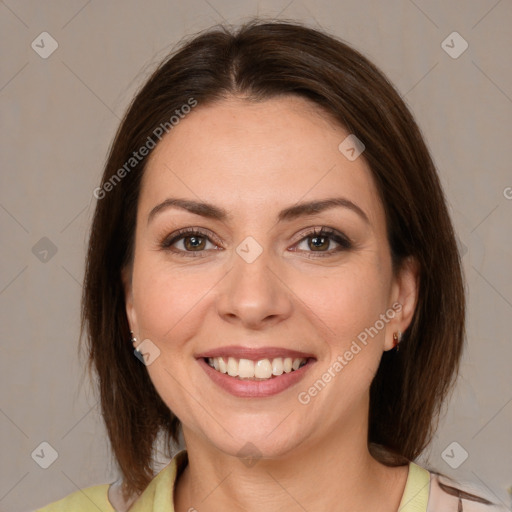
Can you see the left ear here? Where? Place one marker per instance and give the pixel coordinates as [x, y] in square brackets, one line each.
[404, 297]
[131, 315]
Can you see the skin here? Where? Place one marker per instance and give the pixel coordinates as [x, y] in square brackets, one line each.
[253, 160]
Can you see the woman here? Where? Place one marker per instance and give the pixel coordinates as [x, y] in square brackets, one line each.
[272, 237]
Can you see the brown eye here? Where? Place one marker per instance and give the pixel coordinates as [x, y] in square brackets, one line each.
[187, 241]
[194, 242]
[319, 241]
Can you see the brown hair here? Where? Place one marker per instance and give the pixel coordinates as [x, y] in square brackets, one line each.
[262, 60]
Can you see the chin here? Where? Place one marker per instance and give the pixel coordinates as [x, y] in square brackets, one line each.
[272, 443]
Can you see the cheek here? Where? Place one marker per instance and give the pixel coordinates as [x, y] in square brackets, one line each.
[172, 302]
[348, 300]
[169, 304]
[348, 308]
[349, 305]
[161, 297]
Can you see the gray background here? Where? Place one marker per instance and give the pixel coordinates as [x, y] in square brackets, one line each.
[59, 115]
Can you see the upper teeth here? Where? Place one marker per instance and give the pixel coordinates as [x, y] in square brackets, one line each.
[262, 369]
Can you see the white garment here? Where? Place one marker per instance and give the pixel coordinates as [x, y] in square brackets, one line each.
[449, 496]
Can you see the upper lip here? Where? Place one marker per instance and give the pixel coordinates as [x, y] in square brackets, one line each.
[254, 354]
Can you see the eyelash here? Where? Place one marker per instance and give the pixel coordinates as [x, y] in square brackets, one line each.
[343, 242]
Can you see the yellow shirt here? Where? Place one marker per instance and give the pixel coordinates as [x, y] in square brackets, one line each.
[159, 494]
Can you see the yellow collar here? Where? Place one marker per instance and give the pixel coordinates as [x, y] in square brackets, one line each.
[417, 489]
[157, 497]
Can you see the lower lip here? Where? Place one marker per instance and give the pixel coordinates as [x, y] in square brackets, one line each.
[255, 388]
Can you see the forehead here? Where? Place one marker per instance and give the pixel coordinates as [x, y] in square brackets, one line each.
[244, 154]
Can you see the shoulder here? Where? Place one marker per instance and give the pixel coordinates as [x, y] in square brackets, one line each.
[108, 497]
[449, 495]
[89, 499]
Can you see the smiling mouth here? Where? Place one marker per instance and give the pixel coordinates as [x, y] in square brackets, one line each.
[260, 370]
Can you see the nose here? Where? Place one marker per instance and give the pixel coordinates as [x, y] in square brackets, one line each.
[254, 295]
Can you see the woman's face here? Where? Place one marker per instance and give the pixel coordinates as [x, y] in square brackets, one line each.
[257, 277]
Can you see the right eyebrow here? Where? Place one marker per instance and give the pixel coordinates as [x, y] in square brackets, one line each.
[203, 209]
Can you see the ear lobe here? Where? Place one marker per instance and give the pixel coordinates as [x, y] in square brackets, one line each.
[405, 293]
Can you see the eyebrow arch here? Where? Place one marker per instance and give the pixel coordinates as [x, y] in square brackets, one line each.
[301, 209]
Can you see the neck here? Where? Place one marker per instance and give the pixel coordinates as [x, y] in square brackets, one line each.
[333, 472]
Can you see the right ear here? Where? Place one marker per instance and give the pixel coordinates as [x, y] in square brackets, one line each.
[126, 278]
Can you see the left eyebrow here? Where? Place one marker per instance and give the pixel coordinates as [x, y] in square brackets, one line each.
[288, 214]
[312, 207]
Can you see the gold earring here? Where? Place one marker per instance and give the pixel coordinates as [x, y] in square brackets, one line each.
[397, 338]
[133, 340]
